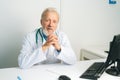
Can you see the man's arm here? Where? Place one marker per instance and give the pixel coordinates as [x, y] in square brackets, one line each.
[66, 54]
[30, 55]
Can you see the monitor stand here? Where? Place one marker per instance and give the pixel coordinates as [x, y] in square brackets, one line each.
[113, 71]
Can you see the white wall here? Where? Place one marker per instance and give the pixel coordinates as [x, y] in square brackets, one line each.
[86, 22]
[90, 22]
[18, 17]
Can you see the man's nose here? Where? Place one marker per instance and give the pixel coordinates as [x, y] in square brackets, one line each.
[51, 24]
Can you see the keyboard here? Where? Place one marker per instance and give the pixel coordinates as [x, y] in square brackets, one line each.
[94, 71]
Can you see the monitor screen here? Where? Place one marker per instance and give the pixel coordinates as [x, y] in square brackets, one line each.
[114, 51]
[114, 56]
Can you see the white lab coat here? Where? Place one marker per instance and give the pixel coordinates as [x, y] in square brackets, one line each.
[31, 52]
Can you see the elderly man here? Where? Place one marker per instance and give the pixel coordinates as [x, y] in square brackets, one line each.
[46, 44]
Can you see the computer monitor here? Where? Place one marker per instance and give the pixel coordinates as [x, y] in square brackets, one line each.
[114, 57]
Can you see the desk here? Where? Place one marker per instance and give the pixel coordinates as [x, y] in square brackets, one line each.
[94, 52]
[51, 72]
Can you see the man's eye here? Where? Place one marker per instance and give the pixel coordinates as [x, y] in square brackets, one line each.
[54, 21]
[46, 20]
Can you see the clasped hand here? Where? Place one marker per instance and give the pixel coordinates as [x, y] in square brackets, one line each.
[52, 39]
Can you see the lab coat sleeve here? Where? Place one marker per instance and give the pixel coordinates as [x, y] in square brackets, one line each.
[67, 54]
[28, 55]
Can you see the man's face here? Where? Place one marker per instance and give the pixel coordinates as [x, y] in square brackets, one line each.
[50, 22]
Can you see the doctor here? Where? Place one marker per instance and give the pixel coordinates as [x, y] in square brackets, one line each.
[46, 44]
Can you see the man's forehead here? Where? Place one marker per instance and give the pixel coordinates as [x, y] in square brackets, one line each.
[51, 14]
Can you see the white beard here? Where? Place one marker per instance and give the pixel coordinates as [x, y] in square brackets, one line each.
[46, 32]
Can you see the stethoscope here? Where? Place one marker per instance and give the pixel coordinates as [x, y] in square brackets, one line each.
[40, 32]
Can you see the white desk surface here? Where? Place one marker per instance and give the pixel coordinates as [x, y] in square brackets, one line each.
[51, 72]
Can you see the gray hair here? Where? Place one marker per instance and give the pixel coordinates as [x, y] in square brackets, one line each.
[50, 9]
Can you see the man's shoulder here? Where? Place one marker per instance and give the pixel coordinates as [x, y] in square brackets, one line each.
[31, 34]
[61, 34]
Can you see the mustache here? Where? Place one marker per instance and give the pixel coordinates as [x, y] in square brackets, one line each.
[46, 31]
[49, 27]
